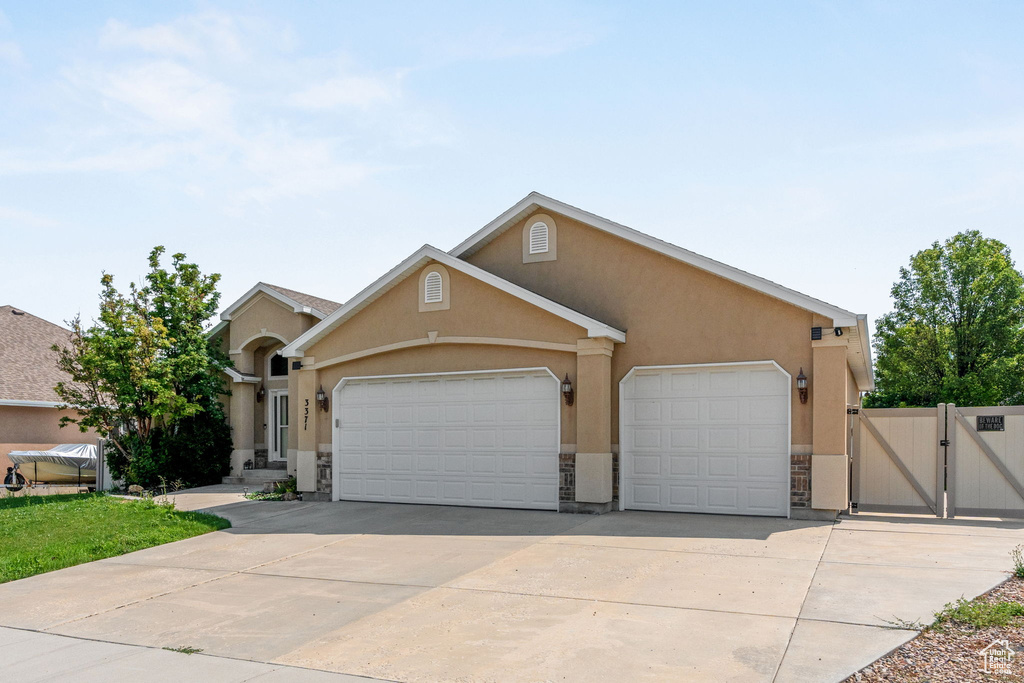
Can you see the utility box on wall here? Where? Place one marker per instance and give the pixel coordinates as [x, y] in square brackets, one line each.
[830, 485]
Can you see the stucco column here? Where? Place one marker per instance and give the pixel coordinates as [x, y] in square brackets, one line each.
[243, 407]
[308, 412]
[594, 420]
[829, 460]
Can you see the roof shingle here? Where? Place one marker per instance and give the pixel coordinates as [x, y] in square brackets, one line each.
[325, 306]
[28, 366]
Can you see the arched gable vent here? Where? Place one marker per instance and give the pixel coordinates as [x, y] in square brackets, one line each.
[433, 289]
[538, 238]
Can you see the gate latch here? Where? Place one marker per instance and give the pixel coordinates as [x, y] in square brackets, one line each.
[944, 442]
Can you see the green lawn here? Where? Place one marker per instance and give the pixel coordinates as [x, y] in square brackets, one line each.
[43, 533]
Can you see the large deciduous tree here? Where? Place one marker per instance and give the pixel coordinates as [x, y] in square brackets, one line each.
[146, 378]
[956, 334]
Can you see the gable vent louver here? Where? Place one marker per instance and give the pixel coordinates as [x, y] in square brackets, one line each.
[538, 238]
[432, 290]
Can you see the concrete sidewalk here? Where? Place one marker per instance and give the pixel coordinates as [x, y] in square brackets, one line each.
[425, 593]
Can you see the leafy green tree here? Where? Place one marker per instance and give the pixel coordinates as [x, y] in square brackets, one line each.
[956, 334]
[146, 378]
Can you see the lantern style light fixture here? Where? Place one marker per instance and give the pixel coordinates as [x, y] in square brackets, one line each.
[567, 391]
[260, 394]
[801, 385]
[321, 398]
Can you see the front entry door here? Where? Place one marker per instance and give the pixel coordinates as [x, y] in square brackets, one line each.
[278, 446]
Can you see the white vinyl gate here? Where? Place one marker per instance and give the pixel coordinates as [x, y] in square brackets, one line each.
[488, 439]
[946, 461]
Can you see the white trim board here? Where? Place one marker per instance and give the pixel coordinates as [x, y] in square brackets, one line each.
[417, 260]
[535, 201]
[236, 376]
[30, 404]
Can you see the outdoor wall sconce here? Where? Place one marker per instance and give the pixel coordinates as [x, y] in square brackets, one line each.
[567, 391]
[801, 385]
[321, 398]
[260, 393]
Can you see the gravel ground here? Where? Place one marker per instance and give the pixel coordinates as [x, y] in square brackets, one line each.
[950, 653]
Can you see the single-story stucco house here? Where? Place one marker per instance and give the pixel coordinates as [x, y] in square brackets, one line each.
[29, 418]
[554, 360]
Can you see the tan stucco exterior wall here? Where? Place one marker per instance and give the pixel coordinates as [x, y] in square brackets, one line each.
[477, 309]
[26, 428]
[262, 318]
[672, 313]
[852, 393]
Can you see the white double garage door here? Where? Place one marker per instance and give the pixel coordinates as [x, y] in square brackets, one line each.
[694, 439]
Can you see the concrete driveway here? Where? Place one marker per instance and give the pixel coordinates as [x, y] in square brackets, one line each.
[422, 593]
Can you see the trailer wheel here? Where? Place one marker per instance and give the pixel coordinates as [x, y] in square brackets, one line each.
[14, 481]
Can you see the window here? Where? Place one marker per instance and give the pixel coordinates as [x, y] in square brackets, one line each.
[433, 288]
[538, 238]
[278, 366]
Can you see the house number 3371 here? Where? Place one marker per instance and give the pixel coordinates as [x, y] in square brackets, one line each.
[305, 416]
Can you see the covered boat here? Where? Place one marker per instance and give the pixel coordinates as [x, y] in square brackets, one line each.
[69, 463]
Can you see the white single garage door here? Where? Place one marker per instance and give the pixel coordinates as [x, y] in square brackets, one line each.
[711, 438]
[481, 439]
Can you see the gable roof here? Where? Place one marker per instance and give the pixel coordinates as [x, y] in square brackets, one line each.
[417, 260]
[28, 368]
[297, 301]
[325, 306]
[535, 201]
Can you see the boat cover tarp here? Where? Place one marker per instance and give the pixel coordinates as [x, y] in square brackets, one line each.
[69, 454]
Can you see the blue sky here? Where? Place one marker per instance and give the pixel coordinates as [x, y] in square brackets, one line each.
[817, 144]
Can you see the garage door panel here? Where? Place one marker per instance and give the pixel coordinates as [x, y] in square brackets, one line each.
[723, 410]
[721, 438]
[429, 464]
[544, 467]
[646, 411]
[684, 411]
[484, 464]
[489, 441]
[726, 466]
[683, 465]
[706, 440]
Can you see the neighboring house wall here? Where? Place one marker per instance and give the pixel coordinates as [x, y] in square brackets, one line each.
[672, 312]
[32, 429]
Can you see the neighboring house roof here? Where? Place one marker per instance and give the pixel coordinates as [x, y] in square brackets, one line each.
[420, 258]
[534, 201]
[297, 301]
[28, 366]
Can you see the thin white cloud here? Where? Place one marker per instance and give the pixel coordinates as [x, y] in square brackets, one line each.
[345, 91]
[192, 36]
[10, 52]
[164, 92]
